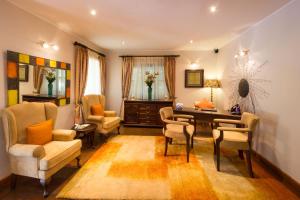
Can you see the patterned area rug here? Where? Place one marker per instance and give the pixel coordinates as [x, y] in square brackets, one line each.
[133, 167]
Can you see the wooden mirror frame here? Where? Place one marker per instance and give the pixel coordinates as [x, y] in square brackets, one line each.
[14, 59]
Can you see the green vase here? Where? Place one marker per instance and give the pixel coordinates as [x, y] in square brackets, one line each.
[50, 89]
[149, 93]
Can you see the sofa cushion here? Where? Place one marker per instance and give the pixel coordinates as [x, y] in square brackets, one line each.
[40, 133]
[24, 117]
[57, 151]
[109, 122]
[232, 139]
[97, 109]
[176, 131]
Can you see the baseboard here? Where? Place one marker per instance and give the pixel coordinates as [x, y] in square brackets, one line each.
[278, 173]
[5, 182]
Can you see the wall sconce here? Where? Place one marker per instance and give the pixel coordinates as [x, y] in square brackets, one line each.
[242, 53]
[193, 65]
[46, 45]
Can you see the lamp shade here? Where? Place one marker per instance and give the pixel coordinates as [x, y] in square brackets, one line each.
[212, 83]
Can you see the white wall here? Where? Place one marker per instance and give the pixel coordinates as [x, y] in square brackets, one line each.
[207, 60]
[276, 40]
[21, 32]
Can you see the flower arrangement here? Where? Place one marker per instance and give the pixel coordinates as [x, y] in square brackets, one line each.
[150, 78]
[50, 76]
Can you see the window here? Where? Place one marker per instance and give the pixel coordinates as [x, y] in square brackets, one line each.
[93, 77]
[139, 89]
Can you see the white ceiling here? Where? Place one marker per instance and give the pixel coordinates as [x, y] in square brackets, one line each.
[153, 24]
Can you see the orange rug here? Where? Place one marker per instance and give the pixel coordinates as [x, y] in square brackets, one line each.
[133, 167]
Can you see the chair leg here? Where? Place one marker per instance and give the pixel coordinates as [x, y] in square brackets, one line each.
[192, 142]
[78, 162]
[45, 184]
[187, 147]
[218, 155]
[215, 152]
[118, 130]
[170, 140]
[249, 164]
[13, 181]
[241, 154]
[166, 145]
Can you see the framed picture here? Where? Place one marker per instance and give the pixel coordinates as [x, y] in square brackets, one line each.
[23, 73]
[194, 78]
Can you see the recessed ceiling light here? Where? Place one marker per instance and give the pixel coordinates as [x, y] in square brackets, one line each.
[213, 9]
[123, 42]
[191, 41]
[242, 53]
[93, 12]
[45, 45]
[55, 47]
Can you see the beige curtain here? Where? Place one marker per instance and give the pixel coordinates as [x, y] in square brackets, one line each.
[81, 71]
[38, 77]
[102, 73]
[169, 67]
[127, 66]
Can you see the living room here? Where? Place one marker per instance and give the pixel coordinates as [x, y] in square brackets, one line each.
[154, 66]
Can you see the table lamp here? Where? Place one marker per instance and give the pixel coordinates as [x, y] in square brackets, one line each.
[212, 83]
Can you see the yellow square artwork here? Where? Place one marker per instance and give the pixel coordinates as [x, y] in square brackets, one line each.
[194, 78]
[12, 97]
[68, 75]
[23, 58]
[53, 63]
[62, 102]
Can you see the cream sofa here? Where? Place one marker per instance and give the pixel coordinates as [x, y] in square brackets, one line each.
[37, 161]
[106, 123]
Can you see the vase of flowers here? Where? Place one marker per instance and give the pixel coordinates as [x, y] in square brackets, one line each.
[50, 76]
[150, 78]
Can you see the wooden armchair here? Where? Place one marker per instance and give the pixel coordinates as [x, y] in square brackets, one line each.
[239, 137]
[177, 129]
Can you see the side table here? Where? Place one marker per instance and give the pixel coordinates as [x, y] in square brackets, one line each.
[87, 132]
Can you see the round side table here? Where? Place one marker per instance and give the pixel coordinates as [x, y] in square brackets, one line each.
[87, 132]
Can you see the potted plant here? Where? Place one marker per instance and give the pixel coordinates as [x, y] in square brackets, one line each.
[150, 78]
[50, 76]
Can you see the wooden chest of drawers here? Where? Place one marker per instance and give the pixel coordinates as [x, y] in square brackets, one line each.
[144, 112]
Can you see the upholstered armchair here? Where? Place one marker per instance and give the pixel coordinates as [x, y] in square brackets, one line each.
[174, 129]
[106, 123]
[37, 161]
[238, 137]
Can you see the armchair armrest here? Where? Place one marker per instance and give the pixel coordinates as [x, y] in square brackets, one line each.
[110, 113]
[244, 130]
[229, 121]
[27, 150]
[95, 118]
[183, 116]
[63, 135]
[167, 121]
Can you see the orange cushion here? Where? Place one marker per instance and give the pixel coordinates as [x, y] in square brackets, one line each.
[204, 104]
[40, 133]
[97, 109]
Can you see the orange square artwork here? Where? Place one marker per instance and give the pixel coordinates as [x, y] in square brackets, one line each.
[40, 61]
[63, 65]
[68, 92]
[12, 69]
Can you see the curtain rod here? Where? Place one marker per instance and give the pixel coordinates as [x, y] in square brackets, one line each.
[82, 45]
[149, 56]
